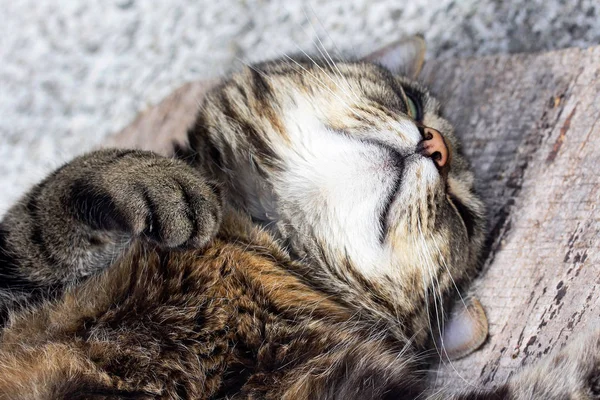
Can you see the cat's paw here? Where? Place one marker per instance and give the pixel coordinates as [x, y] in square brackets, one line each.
[162, 199]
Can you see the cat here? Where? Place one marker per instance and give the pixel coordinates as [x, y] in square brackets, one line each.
[306, 245]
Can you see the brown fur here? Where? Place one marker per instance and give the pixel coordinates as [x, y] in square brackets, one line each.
[228, 321]
[234, 275]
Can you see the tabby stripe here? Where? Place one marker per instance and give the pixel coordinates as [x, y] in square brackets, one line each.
[369, 111]
[256, 140]
[260, 88]
[500, 393]
[385, 110]
[37, 239]
[383, 217]
[21, 289]
[94, 207]
[163, 266]
[36, 236]
[227, 109]
[9, 264]
[242, 91]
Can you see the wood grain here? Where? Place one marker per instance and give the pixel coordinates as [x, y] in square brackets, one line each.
[530, 125]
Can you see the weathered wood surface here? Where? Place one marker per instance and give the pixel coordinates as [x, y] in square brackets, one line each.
[530, 125]
[159, 127]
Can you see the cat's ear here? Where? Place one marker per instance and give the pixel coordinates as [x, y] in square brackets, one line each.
[404, 56]
[466, 330]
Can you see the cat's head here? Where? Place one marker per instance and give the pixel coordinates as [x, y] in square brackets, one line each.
[329, 156]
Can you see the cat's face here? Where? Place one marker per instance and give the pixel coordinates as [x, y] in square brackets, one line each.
[328, 157]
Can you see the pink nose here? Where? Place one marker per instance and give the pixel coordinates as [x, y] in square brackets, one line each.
[434, 146]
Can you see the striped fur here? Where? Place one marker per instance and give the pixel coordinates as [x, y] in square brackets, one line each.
[308, 249]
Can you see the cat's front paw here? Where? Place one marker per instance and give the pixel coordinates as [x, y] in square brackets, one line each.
[146, 195]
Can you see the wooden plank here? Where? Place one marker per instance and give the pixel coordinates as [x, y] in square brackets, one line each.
[160, 126]
[529, 123]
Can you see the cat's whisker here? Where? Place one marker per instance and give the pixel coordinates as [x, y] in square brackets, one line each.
[443, 359]
[450, 275]
[426, 293]
[427, 264]
[314, 77]
[336, 71]
[323, 85]
[447, 358]
[466, 308]
[339, 53]
[325, 72]
[431, 269]
[326, 56]
[252, 67]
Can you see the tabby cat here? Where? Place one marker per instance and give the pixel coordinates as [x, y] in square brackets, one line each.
[306, 246]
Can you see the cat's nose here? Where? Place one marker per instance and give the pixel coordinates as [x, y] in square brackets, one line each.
[434, 146]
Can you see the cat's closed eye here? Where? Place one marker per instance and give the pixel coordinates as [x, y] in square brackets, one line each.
[415, 109]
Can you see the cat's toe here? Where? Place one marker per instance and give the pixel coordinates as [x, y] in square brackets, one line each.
[203, 212]
[183, 211]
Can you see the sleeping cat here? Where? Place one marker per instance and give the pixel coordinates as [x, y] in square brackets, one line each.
[306, 247]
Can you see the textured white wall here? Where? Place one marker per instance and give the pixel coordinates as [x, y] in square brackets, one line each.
[72, 71]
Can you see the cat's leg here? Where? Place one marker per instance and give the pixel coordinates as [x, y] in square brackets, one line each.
[356, 368]
[569, 373]
[58, 371]
[370, 369]
[79, 219]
